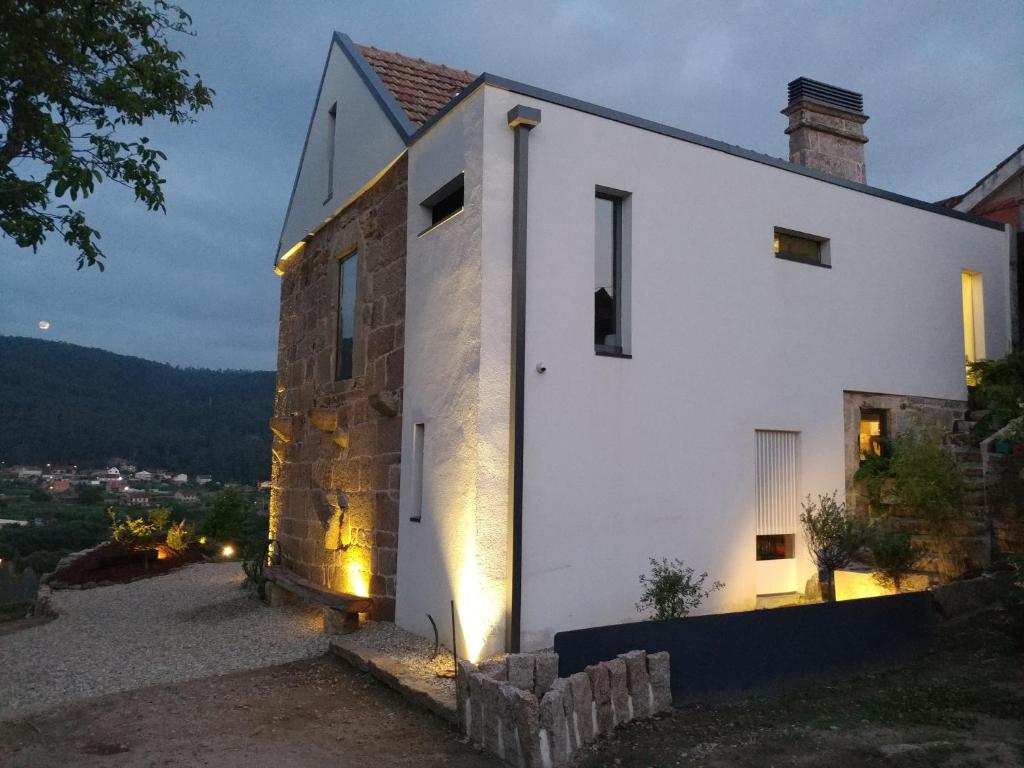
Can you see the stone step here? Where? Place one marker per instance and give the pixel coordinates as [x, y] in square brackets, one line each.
[977, 415]
[963, 426]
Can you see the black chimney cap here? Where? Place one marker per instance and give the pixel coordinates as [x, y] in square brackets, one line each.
[803, 88]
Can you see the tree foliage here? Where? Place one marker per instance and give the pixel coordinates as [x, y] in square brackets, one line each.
[230, 517]
[894, 552]
[833, 537]
[77, 80]
[66, 404]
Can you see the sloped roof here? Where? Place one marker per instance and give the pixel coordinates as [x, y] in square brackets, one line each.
[419, 87]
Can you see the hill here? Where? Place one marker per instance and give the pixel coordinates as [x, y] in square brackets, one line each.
[66, 404]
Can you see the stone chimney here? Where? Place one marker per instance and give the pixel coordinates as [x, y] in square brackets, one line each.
[826, 128]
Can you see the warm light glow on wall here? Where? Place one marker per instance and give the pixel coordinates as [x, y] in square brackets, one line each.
[974, 317]
[478, 608]
[355, 578]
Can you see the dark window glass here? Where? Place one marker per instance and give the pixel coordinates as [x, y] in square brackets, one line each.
[446, 207]
[347, 276]
[777, 546]
[332, 138]
[797, 248]
[608, 272]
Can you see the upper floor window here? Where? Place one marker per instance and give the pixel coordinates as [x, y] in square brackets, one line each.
[795, 246]
[611, 273]
[445, 202]
[332, 136]
[873, 433]
[348, 274]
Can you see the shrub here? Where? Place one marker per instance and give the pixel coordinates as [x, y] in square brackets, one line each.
[671, 591]
[1010, 592]
[133, 532]
[38, 494]
[894, 553]
[833, 538]
[229, 518]
[926, 478]
[179, 536]
[873, 472]
[999, 389]
[90, 494]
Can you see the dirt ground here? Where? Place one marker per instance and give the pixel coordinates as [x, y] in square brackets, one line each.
[959, 706]
[317, 712]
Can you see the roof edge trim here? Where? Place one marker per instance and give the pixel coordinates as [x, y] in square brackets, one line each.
[380, 92]
[569, 102]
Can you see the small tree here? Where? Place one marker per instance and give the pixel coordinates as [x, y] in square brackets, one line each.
[179, 536]
[895, 554]
[671, 591]
[229, 518]
[90, 494]
[833, 538]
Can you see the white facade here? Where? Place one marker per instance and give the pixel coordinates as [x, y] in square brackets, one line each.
[364, 140]
[653, 456]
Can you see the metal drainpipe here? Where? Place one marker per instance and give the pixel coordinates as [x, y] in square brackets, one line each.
[521, 119]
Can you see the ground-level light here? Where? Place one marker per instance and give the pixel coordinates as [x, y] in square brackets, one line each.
[227, 551]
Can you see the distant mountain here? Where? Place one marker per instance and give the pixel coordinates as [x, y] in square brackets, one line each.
[66, 404]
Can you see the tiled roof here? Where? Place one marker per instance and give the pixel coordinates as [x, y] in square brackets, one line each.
[421, 88]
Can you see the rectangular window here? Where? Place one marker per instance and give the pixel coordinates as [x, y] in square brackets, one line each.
[332, 137]
[776, 546]
[974, 319]
[611, 294]
[807, 249]
[872, 434]
[348, 275]
[418, 435]
[777, 499]
[445, 202]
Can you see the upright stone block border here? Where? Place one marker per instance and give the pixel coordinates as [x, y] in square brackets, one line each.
[522, 713]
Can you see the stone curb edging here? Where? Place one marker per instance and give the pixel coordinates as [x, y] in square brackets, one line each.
[520, 710]
[396, 675]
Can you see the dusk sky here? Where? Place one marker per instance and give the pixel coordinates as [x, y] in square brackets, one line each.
[942, 83]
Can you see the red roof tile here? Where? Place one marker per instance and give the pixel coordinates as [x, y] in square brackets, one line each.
[421, 88]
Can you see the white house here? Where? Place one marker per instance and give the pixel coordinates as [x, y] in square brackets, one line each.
[617, 340]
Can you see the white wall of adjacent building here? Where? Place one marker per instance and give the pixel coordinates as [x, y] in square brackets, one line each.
[654, 456]
[365, 142]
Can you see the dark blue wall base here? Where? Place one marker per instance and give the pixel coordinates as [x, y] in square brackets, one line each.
[726, 655]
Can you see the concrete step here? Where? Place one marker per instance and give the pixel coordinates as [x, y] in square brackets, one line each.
[963, 426]
[977, 415]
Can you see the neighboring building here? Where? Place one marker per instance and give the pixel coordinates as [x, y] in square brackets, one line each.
[180, 479]
[667, 378]
[186, 497]
[203, 479]
[999, 196]
[27, 473]
[143, 476]
[57, 486]
[138, 499]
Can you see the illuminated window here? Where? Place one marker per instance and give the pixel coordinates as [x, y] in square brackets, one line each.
[611, 293]
[872, 434]
[974, 319]
[348, 273]
[445, 202]
[807, 249]
[777, 546]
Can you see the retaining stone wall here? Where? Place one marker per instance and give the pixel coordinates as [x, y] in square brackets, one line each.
[520, 710]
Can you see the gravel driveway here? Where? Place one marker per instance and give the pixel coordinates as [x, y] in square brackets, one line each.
[187, 624]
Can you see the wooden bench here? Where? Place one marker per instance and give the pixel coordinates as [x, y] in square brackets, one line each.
[341, 610]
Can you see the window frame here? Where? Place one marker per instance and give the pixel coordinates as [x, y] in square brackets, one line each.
[619, 200]
[824, 251]
[332, 140]
[883, 430]
[440, 195]
[339, 328]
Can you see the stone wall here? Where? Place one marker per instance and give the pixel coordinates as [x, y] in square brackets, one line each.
[904, 413]
[337, 444]
[520, 710]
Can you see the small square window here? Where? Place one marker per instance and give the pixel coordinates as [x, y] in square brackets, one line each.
[807, 249]
[777, 546]
[872, 434]
[445, 202]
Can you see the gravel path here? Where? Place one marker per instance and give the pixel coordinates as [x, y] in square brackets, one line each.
[187, 624]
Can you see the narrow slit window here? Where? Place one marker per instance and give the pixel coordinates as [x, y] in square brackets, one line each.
[445, 202]
[610, 292]
[332, 137]
[348, 275]
[806, 249]
[974, 319]
[418, 435]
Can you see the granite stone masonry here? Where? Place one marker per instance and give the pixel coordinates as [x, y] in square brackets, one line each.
[529, 718]
[337, 443]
